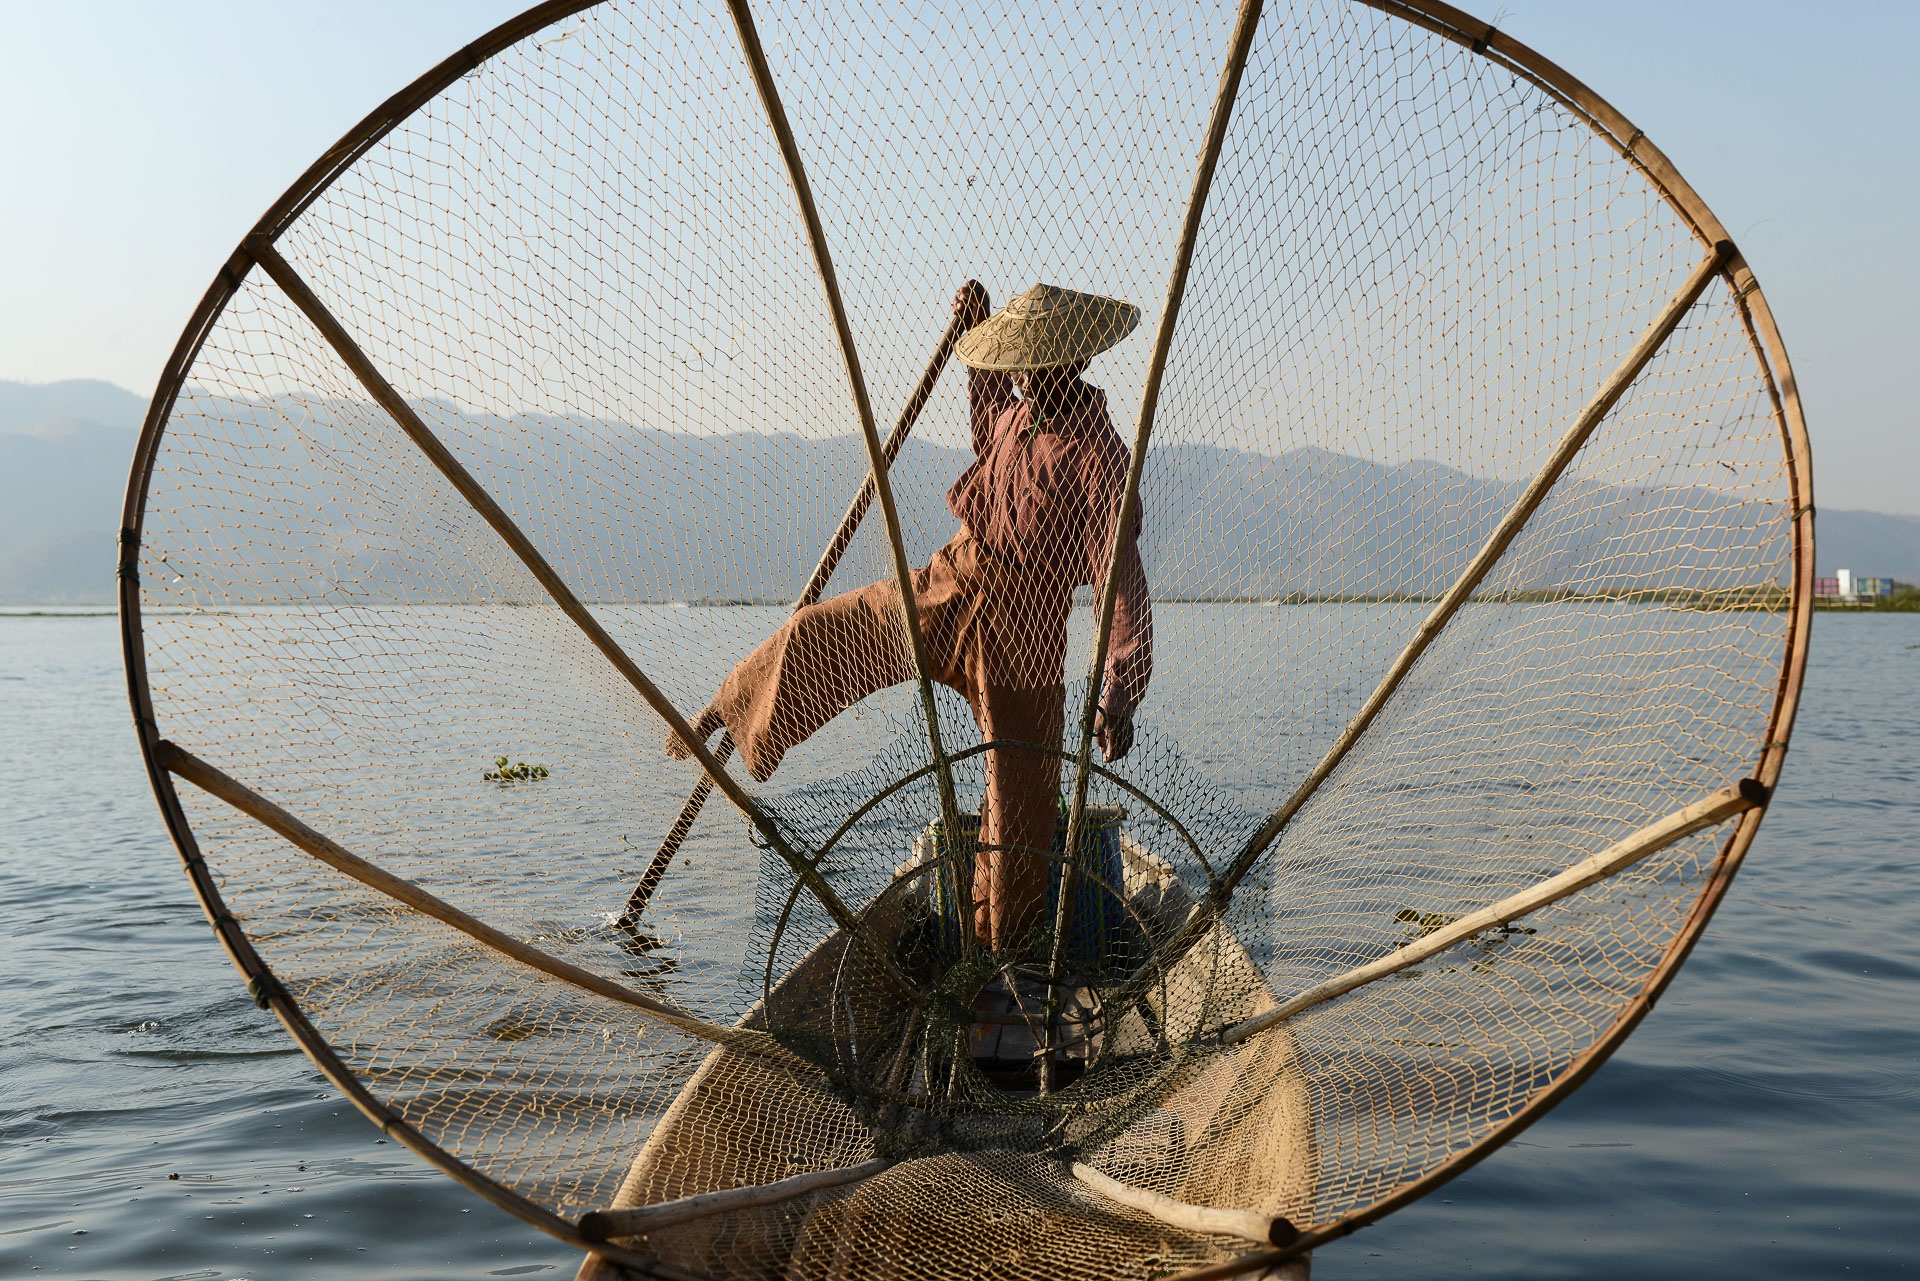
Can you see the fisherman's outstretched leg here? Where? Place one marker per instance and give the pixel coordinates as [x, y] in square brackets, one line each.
[821, 661]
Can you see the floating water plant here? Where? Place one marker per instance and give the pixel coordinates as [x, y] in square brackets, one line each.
[1425, 923]
[518, 772]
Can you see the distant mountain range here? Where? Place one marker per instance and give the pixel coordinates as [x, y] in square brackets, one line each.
[64, 452]
[1225, 523]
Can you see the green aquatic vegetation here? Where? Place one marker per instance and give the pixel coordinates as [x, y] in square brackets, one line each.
[1486, 939]
[518, 772]
[517, 1027]
[1425, 923]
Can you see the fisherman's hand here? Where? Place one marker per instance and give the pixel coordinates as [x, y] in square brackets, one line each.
[970, 303]
[1114, 734]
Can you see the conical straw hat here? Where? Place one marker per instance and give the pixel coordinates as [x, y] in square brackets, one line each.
[1047, 325]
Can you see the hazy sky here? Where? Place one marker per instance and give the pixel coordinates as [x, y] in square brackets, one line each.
[142, 140]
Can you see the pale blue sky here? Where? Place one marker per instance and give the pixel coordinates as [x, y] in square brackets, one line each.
[141, 141]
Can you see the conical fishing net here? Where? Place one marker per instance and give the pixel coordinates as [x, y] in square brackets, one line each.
[1461, 507]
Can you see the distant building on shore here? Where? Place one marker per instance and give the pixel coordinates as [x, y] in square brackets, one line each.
[1850, 588]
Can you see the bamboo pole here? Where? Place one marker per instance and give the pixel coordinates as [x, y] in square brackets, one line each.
[1632, 143]
[1704, 813]
[1245, 25]
[270, 995]
[1496, 545]
[816, 585]
[600, 1225]
[896, 441]
[1250, 1225]
[1214, 906]
[213, 781]
[1584, 1065]
[1576, 1072]
[510, 533]
[856, 380]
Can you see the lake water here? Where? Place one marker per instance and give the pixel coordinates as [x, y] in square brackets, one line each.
[1764, 1121]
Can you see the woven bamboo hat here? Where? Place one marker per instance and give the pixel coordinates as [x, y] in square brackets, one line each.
[1047, 325]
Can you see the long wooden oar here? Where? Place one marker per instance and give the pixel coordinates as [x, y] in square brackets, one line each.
[829, 560]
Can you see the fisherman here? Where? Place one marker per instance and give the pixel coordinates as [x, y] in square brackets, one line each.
[1036, 510]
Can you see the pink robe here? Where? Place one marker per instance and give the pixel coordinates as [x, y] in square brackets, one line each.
[1037, 512]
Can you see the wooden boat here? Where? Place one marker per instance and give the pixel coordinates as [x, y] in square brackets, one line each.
[1144, 1193]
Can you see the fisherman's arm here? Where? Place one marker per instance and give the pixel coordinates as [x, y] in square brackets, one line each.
[1129, 654]
[1129, 667]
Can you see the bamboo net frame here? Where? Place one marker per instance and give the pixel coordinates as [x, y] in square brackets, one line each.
[205, 442]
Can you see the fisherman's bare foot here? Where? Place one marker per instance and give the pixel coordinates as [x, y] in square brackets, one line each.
[703, 726]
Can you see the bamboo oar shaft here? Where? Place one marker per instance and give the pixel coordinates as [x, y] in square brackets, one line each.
[463, 481]
[1704, 813]
[856, 380]
[1504, 533]
[1245, 25]
[215, 782]
[896, 441]
[816, 585]
[443, 459]
[675, 838]
[1616, 385]
[599, 1225]
[1249, 1225]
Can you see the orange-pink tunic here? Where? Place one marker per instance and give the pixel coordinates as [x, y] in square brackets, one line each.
[1037, 511]
[1047, 499]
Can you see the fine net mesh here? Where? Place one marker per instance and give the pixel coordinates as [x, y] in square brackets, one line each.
[582, 266]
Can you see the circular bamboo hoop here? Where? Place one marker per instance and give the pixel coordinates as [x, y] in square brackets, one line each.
[1443, 20]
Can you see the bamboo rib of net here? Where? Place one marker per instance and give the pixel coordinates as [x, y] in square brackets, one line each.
[1245, 26]
[212, 781]
[284, 275]
[1220, 896]
[1496, 546]
[877, 462]
[1708, 812]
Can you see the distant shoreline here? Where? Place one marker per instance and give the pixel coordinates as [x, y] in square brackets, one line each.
[1765, 600]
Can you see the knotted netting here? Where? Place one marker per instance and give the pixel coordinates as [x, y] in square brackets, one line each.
[1469, 490]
